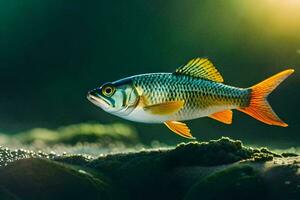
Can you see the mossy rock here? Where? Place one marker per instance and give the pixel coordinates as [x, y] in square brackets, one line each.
[237, 182]
[7, 195]
[79, 133]
[218, 169]
[36, 178]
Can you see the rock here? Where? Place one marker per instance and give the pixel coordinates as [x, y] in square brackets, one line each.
[236, 182]
[218, 169]
[36, 178]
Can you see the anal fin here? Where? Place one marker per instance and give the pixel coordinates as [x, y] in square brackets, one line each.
[179, 128]
[223, 116]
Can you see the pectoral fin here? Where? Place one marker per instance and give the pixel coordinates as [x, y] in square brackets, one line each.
[164, 108]
[179, 128]
[223, 116]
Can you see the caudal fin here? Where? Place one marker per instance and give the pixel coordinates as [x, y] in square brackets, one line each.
[259, 108]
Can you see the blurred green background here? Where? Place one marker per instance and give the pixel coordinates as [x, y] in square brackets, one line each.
[52, 52]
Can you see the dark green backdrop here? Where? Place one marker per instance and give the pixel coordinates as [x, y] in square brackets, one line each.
[52, 52]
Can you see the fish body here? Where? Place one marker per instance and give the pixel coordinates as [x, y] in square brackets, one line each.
[201, 97]
[194, 90]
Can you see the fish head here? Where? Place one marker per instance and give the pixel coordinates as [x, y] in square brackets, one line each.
[119, 98]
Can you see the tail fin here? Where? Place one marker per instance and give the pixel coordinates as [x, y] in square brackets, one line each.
[259, 107]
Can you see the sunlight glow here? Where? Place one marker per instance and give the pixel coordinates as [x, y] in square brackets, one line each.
[274, 16]
[286, 14]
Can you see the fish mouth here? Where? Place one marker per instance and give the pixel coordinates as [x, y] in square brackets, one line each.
[98, 101]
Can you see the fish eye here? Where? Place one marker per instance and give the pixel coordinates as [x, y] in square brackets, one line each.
[108, 90]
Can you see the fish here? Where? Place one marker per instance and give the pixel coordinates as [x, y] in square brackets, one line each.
[196, 89]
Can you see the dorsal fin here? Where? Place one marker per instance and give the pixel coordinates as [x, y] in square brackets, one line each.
[200, 68]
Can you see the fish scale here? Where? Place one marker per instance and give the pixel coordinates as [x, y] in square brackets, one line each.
[200, 95]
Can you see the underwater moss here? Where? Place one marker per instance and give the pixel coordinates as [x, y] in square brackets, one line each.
[187, 171]
[288, 154]
[8, 156]
[162, 163]
[212, 153]
[78, 133]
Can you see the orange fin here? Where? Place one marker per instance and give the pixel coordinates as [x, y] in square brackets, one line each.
[259, 107]
[179, 128]
[164, 108]
[223, 116]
